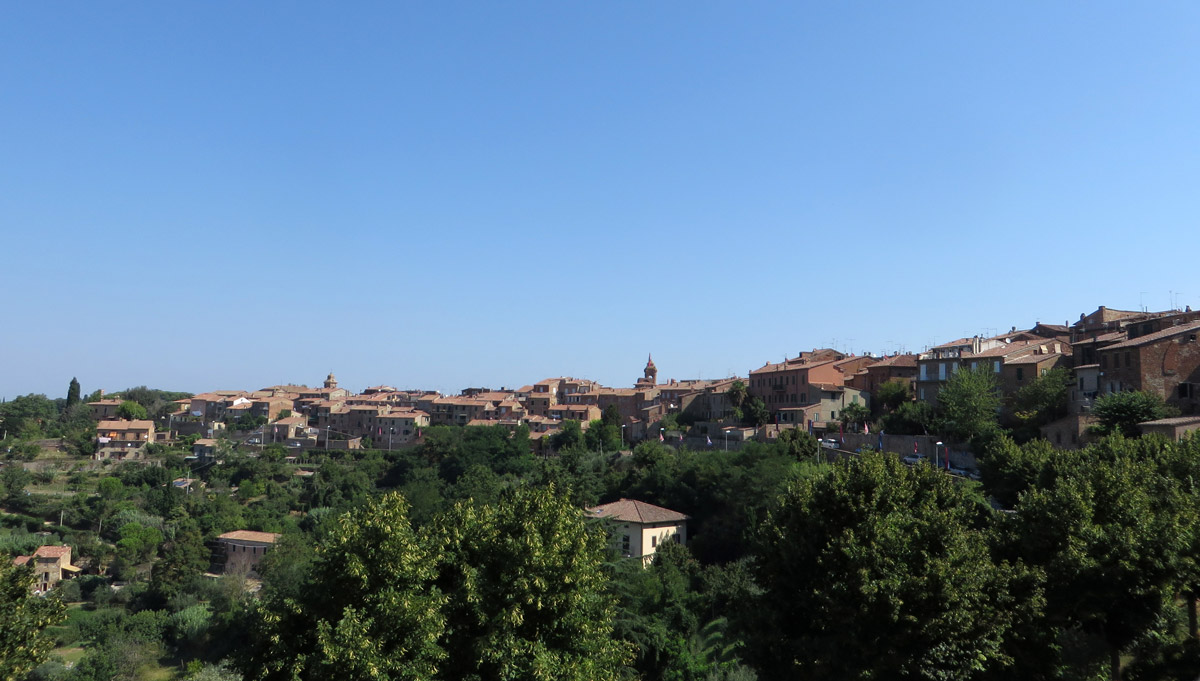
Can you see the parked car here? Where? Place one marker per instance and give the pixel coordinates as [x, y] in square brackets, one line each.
[830, 443]
[912, 459]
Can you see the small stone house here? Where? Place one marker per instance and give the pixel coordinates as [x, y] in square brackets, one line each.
[241, 551]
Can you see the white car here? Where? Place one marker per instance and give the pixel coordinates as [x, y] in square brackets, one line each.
[912, 459]
[830, 443]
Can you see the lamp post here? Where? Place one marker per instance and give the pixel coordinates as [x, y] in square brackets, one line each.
[727, 439]
[622, 434]
[936, 447]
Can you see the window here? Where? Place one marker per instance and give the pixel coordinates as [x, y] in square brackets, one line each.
[1020, 374]
[653, 542]
[1128, 358]
[625, 544]
[996, 366]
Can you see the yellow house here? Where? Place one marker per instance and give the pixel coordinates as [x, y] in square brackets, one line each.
[641, 528]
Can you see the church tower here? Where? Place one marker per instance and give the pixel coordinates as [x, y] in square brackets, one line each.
[330, 381]
[650, 375]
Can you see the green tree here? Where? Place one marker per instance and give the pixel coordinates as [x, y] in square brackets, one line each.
[368, 612]
[73, 393]
[1108, 530]
[799, 444]
[27, 416]
[611, 416]
[131, 411]
[754, 412]
[507, 591]
[1121, 412]
[910, 418]
[970, 404]
[854, 415]
[527, 592]
[891, 394]
[569, 436]
[1042, 401]
[875, 570]
[23, 621]
[737, 395]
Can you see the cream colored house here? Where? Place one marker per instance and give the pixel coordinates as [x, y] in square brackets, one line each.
[640, 527]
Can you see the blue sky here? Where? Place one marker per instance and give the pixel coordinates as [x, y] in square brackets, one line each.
[442, 195]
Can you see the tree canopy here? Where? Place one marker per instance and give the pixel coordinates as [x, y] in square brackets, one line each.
[1121, 412]
[512, 590]
[969, 403]
[23, 621]
[875, 570]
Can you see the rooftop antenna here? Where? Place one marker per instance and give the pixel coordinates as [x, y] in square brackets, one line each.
[1142, 301]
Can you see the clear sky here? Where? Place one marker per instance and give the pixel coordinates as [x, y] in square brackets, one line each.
[444, 194]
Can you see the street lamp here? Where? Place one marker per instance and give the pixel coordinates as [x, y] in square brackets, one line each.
[727, 439]
[936, 447]
[622, 434]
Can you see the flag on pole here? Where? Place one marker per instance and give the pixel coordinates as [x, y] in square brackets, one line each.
[880, 447]
[810, 427]
[915, 451]
[660, 437]
[681, 437]
[709, 440]
[841, 435]
[866, 429]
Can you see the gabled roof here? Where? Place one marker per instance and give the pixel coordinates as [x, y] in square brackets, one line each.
[895, 361]
[125, 425]
[633, 511]
[1155, 337]
[52, 551]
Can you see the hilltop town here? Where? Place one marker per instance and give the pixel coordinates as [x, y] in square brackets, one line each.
[1106, 351]
[1036, 483]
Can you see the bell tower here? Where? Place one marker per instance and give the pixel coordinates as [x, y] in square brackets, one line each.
[650, 375]
[330, 381]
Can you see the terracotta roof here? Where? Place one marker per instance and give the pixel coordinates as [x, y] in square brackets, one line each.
[791, 364]
[896, 361]
[112, 402]
[125, 425]
[633, 511]
[1102, 338]
[206, 442]
[1174, 421]
[52, 551]
[1005, 350]
[249, 535]
[955, 343]
[22, 560]
[1034, 358]
[1156, 336]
